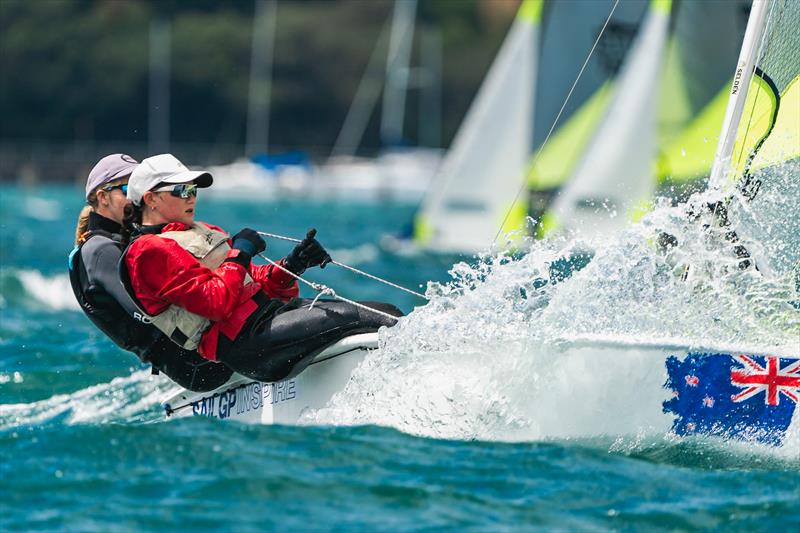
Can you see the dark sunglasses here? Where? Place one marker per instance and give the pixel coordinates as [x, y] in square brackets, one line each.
[182, 190]
[123, 188]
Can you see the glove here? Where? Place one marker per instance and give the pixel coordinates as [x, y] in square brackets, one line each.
[307, 254]
[249, 241]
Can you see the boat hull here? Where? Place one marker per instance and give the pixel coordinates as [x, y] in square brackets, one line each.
[591, 387]
[282, 402]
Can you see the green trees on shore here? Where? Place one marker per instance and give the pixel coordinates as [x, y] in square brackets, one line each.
[78, 70]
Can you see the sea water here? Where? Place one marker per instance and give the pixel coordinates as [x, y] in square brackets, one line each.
[482, 409]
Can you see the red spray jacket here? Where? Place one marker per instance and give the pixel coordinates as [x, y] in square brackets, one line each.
[162, 273]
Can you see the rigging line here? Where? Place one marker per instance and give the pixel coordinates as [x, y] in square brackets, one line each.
[376, 278]
[325, 290]
[348, 267]
[560, 111]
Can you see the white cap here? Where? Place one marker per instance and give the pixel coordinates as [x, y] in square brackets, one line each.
[162, 168]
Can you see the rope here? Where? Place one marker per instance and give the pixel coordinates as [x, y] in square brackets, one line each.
[325, 290]
[560, 111]
[376, 278]
[352, 269]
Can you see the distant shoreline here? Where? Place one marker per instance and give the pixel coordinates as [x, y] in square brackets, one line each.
[31, 162]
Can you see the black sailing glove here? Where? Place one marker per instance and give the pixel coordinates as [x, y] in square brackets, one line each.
[249, 241]
[307, 254]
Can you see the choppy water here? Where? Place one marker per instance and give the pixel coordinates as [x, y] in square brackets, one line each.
[473, 413]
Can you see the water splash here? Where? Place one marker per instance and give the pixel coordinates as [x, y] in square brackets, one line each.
[493, 355]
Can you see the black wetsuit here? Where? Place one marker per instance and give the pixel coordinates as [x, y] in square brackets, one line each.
[279, 340]
[94, 276]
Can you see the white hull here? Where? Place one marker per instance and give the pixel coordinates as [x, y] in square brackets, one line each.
[595, 386]
[663, 385]
[282, 402]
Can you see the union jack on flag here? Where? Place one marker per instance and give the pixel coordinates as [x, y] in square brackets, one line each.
[772, 380]
[721, 394]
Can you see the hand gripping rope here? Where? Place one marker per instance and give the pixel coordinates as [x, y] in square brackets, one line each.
[324, 290]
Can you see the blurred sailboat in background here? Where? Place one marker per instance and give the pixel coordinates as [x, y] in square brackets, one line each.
[568, 133]
[658, 133]
[641, 119]
[611, 177]
[483, 168]
[478, 189]
[245, 176]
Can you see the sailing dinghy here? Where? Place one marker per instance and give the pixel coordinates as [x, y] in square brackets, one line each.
[728, 391]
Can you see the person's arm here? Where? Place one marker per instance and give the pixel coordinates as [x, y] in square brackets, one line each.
[275, 282]
[163, 273]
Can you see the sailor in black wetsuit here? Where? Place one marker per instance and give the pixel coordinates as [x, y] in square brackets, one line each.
[94, 276]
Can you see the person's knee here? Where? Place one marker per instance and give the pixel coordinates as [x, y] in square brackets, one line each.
[389, 309]
[379, 318]
[393, 310]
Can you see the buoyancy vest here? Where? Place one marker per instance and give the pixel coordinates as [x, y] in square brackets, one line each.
[210, 247]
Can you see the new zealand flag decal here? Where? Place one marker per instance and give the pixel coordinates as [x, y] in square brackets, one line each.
[733, 396]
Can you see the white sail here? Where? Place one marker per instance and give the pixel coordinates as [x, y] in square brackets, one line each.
[485, 166]
[615, 173]
[584, 45]
[757, 164]
[739, 89]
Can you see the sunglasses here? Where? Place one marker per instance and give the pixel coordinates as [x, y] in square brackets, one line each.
[181, 190]
[123, 188]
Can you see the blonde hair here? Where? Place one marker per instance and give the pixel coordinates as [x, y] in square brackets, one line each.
[81, 229]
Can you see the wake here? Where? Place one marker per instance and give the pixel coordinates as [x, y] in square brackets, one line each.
[129, 399]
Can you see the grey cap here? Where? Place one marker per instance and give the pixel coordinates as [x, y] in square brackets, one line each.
[108, 169]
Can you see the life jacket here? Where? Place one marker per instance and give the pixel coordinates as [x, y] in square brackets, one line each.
[210, 247]
[102, 309]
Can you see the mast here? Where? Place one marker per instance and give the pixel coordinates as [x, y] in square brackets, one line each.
[367, 93]
[738, 94]
[430, 98]
[397, 70]
[158, 95]
[262, 47]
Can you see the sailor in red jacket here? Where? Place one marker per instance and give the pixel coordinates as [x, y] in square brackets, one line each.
[198, 285]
